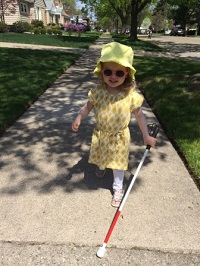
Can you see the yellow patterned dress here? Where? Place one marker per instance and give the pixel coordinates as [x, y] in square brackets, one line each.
[111, 136]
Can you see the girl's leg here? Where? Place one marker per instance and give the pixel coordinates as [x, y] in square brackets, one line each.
[117, 187]
[118, 179]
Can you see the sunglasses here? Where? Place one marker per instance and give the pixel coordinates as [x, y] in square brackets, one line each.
[118, 73]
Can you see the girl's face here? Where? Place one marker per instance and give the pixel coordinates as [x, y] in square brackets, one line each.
[113, 74]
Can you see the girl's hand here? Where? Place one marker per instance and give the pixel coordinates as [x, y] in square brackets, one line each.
[148, 140]
[76, 125]
[84, 111]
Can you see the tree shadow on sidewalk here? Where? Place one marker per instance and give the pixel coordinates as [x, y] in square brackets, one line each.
[51, 157]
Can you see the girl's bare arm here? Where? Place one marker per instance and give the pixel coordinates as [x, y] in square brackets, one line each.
[84, 111]
[148, 140]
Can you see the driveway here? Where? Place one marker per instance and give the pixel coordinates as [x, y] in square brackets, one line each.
[184, 47]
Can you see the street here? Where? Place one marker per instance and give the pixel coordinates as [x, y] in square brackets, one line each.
[177, 46]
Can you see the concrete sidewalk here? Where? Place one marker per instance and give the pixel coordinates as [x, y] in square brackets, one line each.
[54, 211]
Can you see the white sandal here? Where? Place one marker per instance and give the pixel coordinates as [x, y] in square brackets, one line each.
[117, 198]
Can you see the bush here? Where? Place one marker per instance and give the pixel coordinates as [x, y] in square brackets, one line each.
[56, 27]
[49, 31]
[37, 23]
[70, 28]
[37, 31]
[21, 27]
[43, 31]
[51, 24]
[55, 31]
[3, 27]
[59, 32]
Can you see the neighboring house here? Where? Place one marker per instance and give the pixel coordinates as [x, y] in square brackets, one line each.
[45, 10]
[61, 16]
[26, 10]
[50, 12]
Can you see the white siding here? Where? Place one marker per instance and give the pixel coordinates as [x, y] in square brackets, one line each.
[39, 10]
[40, 3]
[28, 11]
[10, 17]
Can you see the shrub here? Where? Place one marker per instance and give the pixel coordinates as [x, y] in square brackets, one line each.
[43, 31]
[37, 23]
[49, 31]
[59, 32]
[3, 27]
[37, 31]
[56, 27]
[51, 24]
[21, 27]
[55, 31]
[69, 28]
[79, 29]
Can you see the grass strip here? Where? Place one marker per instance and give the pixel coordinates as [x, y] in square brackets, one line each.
[50, 40]
[172, 88]
[25, 75]
[137, 45]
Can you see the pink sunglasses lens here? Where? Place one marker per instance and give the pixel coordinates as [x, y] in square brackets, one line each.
[118, 73]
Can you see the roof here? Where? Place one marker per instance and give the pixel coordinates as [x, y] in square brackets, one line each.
[50, 5]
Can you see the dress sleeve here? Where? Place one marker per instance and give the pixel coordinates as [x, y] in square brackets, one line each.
[136, 100]
[92, 96]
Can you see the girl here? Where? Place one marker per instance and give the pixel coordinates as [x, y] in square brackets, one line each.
[113, 101]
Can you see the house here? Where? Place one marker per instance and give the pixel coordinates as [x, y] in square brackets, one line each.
[27, 10]
[50, 12]
[55, 13]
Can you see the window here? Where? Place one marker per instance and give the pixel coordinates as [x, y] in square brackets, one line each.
[24, 8]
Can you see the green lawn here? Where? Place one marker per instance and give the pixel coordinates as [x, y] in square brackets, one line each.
[170, 85]
[52, 40]
[26, 74]
[137, 45]
[172, 88]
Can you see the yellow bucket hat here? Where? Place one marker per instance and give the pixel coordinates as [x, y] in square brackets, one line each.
[118, 53]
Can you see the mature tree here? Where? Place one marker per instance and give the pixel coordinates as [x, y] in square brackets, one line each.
[7, 7]
[160, 15]
[136, 7]
[185, 12]
[71, 6]
[145, 15]
[112, 9]
[123, 9]
[198, 18]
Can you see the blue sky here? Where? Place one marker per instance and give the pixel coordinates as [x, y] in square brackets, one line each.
[79, 4]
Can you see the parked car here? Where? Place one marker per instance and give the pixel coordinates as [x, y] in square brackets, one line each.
[167, 32]
[177, 31]
[141, 30]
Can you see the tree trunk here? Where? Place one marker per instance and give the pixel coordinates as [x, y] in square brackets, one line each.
[134, 19]
[2, 11]
[198, 28]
